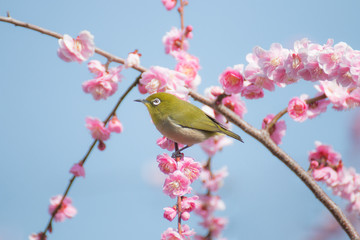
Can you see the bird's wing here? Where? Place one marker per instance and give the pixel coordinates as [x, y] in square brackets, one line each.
[195, 118]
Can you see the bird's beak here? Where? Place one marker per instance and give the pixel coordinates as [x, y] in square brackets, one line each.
[144, 101]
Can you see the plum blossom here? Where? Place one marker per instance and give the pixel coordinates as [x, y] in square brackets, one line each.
[37, 236]
[166, 163]
[326, 166]
[133, 59]
[315, 108]
[115, 125]
[207, 204]
[297, 109]
[169, 4]
[213, 181]
[79, 49]
[172, 41]
[105, 82]
[188, 65]
[277, 132]
[170, 213]
[66, 210]
[273, 61]
[232, 79]
[176, 184]
[171, 234]
[215, 225]
[190, 168]
[168, 144]
[214, 144]
[78, 170]
[97, 129]
[159, 79]
[235, 104]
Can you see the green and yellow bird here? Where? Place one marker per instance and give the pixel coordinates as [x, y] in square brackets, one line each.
[181, 121]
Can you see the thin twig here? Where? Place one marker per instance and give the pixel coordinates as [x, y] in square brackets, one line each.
[264, 137]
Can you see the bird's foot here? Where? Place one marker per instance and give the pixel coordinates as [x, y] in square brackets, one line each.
[177, 155]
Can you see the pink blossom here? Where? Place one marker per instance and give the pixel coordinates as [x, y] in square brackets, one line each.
[115, 125]
[330, 57]
[171, 234]
[235, 104]
[170, 213]
[169, 4]
[277, 132]
[97, 129]
[326, 174]
[255, 75]
[353, 100]
[297, 109]
[309, 56]
[172, 41]
[96, 68]
[190, 168]
[337, 94]
[215, 225]
[105, 83]
[188, 65]
[207, 204]
[213, 181]
[252, 91]
[166, 163]
[324, 155]
[66, 210]
[38, 236]
[176, 184]
[315, 108]
[78, 170]
[168, 144]
[185, 216]
[188, 204]
[214, 144]
[232, 79]
[272, 61]
[79, 49]
[159, 79]
[133, 60]
[187, 232]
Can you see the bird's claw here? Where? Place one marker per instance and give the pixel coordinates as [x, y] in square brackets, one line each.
[177, 154]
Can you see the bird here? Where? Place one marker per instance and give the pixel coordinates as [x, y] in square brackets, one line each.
[181, 121]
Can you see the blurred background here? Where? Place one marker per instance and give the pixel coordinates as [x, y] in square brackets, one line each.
[43, 111]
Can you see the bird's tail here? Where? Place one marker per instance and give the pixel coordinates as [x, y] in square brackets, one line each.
[231, 134]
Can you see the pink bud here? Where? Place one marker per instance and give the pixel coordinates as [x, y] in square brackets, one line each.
[101, 145]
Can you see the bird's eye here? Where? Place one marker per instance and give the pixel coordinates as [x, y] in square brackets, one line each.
[156, 101]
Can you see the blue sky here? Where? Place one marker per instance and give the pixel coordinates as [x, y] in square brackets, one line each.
[43, 111]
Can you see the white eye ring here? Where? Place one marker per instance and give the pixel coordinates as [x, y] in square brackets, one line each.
[156, 101]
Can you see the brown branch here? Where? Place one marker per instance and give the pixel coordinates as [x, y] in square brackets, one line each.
[264, 137]
[284, 111]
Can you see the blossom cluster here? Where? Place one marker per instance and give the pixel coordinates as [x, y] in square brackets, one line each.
[180, 174]
[100, 132]
[337, 67]
[326, 166]
[104, 83]
[185, 74]
[208, 203]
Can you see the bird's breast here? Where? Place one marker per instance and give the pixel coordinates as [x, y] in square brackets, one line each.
[180, 134]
